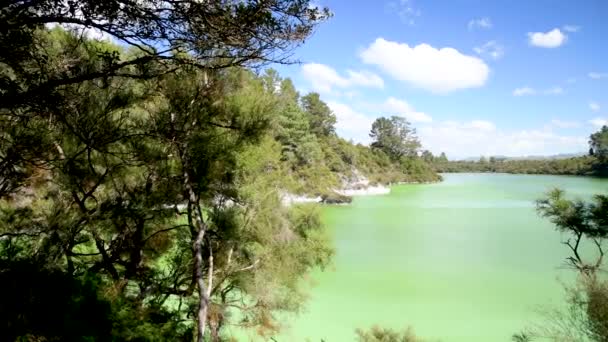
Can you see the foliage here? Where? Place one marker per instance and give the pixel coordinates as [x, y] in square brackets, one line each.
[418, 170]
[395, 137]
[569, 166]
[136, 182]
[322, 120]
[599, 149]
[214, 34]
[63, 309]
[581, 221]
[379, 334]
[599, 143]
[585, 315]
[157, 195]
[521, 337]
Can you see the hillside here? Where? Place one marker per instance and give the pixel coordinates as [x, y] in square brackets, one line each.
[311, 159]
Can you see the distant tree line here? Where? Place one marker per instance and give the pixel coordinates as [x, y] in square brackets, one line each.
[594, 164]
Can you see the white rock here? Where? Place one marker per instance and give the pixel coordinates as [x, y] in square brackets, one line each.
[369, 191]
[289, 199]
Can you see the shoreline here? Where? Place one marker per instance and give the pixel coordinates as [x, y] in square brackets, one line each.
[359, 185]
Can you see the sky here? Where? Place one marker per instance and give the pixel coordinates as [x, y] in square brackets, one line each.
[509, 78]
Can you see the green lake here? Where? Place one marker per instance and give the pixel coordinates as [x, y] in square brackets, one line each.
[464, 260]
[467, 259]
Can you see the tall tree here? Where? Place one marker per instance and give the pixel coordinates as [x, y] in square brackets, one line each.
[134, 180]
[395, 137]
[322, 120]
[598, 142]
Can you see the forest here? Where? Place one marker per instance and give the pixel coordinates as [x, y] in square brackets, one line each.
[145, 150]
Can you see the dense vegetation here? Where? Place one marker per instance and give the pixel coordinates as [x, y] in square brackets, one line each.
[141, 178]
[585, 165]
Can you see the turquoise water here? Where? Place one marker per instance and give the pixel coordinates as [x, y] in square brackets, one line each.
[467, 259]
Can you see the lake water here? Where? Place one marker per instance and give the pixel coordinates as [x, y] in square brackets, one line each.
[467, 259]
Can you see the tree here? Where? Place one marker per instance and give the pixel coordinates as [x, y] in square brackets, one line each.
[394, 137]
[293, 131]
[599, 144]
[582, 222]
[211, 34]
[427, 156]
[585, 315]
[322, 120]
[139, 183]
[599, 150]
[68, 111]
[158, 175]
[162, 36]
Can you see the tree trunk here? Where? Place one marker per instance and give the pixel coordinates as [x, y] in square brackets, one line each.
[199, 228]
[214, 331]
[202, 292]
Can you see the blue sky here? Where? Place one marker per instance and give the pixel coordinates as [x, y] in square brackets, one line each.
[474, 77]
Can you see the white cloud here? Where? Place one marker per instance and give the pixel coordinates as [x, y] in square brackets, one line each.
[571, 28]
[406, 11]
[599, 122]
[350, 124]
[364, 79]
[491, 49]
[482, 23]
[324, 78]
[565, 124]
[482, 125]
[399, 107]
[594, 106]
[554, 91]
[524, 91]
[355, 124]
[351, 94]
[438, 70]
[466, 139]
[551, 39]
[597, 75]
